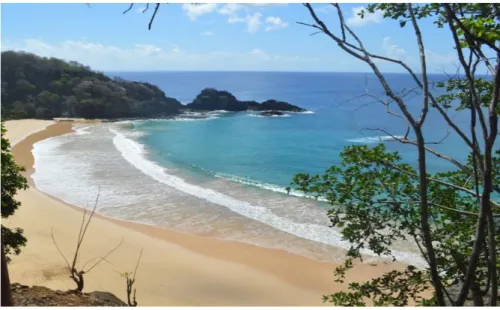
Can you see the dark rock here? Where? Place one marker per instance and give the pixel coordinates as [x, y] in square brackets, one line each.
[252, 105]
[211, 99]
[279, 106]
[271, 113]
[106, 297]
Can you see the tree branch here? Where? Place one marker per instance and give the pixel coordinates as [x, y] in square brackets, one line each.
[423, 66]
[129, 8]
[102, 258]
[154, 15]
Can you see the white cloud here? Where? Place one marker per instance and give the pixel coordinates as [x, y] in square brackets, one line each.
[140, 9]
[392, 50]
[194, 11]
[275, 23]
[207, 33]
[176, 49]
[259, 54]
[141, 57]
[144, 49]
[356, 20]
[441, 62]
[325, 9]
[253, 21]
[235, 19]
[230, 9]
[235, 13]
[436, 62]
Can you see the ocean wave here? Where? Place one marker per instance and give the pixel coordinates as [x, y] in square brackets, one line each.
[129, 122]
[220, 112]
[81, 130]
[305, 112]
[263, 185]
[258, 115]
[191, 119]
[134, 153]
[374, 139]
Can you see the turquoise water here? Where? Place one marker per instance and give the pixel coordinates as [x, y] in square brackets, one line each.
[224, 176]
[272, 150]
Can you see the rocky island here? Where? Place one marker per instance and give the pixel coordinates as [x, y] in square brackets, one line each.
[211, 99]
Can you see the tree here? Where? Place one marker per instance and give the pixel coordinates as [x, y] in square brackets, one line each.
[6, 289]
[12, 181]
[379, 199]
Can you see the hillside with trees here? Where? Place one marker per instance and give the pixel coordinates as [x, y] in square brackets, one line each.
[39, 87]
[45, 88]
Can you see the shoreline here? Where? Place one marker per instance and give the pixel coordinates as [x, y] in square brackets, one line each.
[300, 276]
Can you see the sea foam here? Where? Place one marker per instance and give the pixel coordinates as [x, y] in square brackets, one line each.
[374, 139]
[135, 153]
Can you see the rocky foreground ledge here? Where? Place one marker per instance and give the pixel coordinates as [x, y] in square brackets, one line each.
[211, 99]
[40, 296]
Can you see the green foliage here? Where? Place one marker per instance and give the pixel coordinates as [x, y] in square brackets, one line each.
[45, 88]
[458, 91]
[394, 288]
[12, 181]
[376, 203]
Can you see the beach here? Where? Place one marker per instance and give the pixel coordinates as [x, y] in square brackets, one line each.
[176, 269]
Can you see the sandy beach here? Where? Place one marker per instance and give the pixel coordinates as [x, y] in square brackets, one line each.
[176, 269]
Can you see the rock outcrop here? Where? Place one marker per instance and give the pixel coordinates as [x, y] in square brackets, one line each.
[40, 296]
[211, 99]
[271, 113]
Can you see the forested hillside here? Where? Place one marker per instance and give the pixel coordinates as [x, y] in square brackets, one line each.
[38, 87]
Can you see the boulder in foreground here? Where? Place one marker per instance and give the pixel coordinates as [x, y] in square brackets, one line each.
[40, 296]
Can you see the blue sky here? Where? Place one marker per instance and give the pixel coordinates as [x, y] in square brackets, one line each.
[237, 37]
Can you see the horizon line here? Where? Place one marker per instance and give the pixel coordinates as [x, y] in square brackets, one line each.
[253, 71]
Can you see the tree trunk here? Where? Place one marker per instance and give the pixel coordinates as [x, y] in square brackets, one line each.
[424, 219]
[6, 293]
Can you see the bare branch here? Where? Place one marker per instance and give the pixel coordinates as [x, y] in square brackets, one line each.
[154, 15]
[130, 283]
[467, 70]
[129, 8]
[405, 140]
[138, 261]
[58, 249]
[103, 258]
[463, 189]
[423, 65]
[441, 207]
[82, 235]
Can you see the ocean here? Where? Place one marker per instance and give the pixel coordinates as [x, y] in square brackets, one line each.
[224, 175]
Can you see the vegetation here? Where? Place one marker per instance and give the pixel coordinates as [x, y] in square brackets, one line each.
[130, 280]
[12, 181]
[37, 87]
[452, 217]
[77, 274]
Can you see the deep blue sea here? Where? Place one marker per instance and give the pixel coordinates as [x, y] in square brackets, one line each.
[225, 175]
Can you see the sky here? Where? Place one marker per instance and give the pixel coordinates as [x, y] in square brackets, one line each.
[213, 37]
